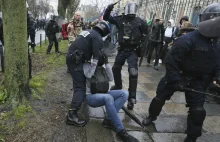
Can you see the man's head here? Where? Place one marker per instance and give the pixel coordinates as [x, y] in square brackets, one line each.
[184, 19]
[103, 27]
[169, 24]
[131, 9]
[209, 25]
[77, 16]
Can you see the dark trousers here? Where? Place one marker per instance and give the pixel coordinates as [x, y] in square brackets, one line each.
[154, 45]
[79, 83]
[32, 38]
[2, 58]
[132, 59]
[164, 92]
[52, 39]
[29, 64]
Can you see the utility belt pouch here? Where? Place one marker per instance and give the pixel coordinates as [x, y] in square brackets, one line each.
[76, 57]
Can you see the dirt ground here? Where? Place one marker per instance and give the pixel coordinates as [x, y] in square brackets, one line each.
[46, 121]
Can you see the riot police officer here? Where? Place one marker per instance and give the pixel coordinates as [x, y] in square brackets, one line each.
[32, 36]
[1, 45]
[87, 45]
[31, 30]
[51, 29]
[193, 62]
[130, 33]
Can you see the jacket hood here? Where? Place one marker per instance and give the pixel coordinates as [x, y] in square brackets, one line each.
[172, 22]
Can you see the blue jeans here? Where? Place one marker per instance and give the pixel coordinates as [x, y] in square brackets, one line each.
[113, 100]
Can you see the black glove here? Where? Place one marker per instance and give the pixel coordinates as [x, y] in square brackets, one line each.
[105, 59]
[110, 7]
[179, 85]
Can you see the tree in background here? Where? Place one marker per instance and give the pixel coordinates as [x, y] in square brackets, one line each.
[16, 50]
[95, 9]
[72, 7]
[40, 8]
[67, 5]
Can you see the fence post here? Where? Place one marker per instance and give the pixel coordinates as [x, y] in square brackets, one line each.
[40, 40]
[45, 39]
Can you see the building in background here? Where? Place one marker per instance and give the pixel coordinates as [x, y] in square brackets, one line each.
[169, 9]
[174, 9]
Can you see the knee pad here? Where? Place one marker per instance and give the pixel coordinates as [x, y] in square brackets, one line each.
[133, 72]
[197, 114]
[156, 106]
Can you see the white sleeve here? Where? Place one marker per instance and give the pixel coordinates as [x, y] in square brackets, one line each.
[89, 69]
[109, 72]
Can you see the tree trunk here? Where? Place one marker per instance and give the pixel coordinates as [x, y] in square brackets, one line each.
[16, 50]
[61, 9]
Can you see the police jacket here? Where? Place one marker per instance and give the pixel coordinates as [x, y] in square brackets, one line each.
[51, 28]
[90, 43]
[193, 55]
[133, 28]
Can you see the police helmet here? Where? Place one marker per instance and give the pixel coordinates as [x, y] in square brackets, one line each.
[131, 8]
[209, 25]
[104, 27]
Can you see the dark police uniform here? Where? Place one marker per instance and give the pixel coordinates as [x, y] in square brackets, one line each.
[1, 46]
[130, 34]
[31, 30]
[193, 62]
[51, 29]
[86, 45]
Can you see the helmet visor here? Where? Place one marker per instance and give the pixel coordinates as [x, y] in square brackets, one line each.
[210, 28]
[131, 8]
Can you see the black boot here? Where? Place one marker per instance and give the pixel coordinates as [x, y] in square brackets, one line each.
[147, 121]
[125, 137]
[130, 105]
[117, 78]
[154, 110]
[108, 124]
[188, 139]
[73, 119]
[131, 100]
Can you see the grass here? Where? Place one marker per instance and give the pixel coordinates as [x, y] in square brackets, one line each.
[42, 63]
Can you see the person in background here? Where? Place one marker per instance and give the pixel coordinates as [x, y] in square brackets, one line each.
[74, 28]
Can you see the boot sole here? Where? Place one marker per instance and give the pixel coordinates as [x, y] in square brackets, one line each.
[74, 124]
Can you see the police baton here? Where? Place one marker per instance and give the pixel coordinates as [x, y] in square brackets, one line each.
[116, 2]
[196, 91]
[132, 116]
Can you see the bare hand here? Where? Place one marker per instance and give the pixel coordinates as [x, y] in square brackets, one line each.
[217, 85]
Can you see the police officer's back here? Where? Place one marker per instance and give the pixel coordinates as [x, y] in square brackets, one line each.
[192, 63]
[87, 45]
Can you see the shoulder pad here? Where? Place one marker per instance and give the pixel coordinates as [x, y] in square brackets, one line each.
[84, 33]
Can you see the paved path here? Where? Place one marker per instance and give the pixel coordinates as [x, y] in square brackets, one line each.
[170, 125]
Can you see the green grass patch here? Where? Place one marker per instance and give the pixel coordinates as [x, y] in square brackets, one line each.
[54, 59]
[3, 94]
[38, 82]
[21, 111]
